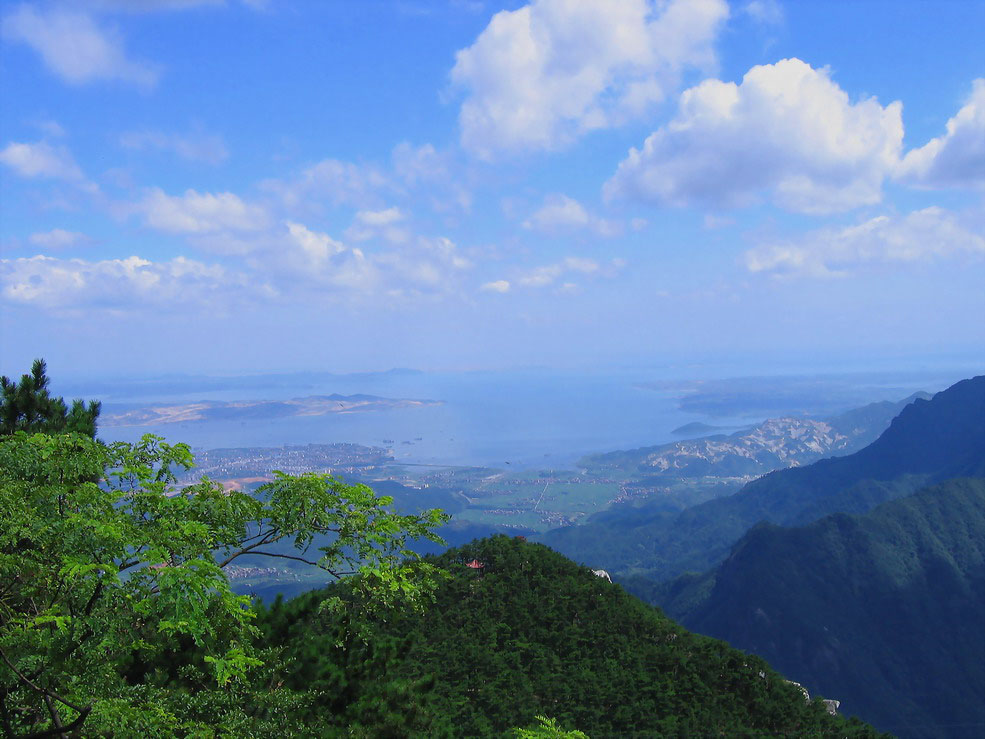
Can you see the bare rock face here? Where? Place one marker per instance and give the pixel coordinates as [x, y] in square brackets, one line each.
[830, 705]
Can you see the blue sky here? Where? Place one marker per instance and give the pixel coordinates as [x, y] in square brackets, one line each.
[244, 186]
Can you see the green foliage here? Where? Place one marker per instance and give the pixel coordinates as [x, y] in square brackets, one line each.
[114, 606]
[28, 406]
[533, 635]
[884, 611]
[547, 728]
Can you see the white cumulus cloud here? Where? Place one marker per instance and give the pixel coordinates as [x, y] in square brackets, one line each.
[549, 273]
[496, 286]
[317, 247]
[956, 159]
[333, 182]
[314, 263]
[420, 173]
[74, 47]
[425, 265]
[316, 260]
[787, 131]
[560, 213]
[385, 217]
[40, 160]
[543, 75]
[201, 213]
[111, 283]
[923, 235]
[386, 224]
[58, 238]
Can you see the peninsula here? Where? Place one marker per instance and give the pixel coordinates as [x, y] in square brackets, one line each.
[255, 410]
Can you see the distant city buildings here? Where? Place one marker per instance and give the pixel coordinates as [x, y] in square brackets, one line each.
[253, 463]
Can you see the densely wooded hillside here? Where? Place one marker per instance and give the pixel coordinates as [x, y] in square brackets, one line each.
[534, 633]
[885, 611]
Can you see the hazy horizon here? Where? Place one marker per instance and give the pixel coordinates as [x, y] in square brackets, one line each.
[523, 417]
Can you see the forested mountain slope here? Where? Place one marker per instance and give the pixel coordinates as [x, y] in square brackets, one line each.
[534, 633]
[885, 611]
[930, 441]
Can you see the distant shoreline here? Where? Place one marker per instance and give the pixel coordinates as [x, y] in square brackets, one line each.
[696, 427]
[257, 410]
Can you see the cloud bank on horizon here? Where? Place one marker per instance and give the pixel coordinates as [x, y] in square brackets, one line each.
[476, 185]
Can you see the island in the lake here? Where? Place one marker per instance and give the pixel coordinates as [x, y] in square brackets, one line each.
[255, 410]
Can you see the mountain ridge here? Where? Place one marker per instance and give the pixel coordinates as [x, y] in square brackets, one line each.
[884, 610]
[929, 441]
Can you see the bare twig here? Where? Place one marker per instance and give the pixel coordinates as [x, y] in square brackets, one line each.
[249, 549]
[285, 556]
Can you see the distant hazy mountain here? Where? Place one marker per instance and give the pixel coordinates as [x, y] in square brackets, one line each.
[774, 444]
[930, 441]
[183, 384]
[884, 611]
[819, 396]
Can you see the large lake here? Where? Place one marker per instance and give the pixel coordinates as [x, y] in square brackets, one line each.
[525, 418]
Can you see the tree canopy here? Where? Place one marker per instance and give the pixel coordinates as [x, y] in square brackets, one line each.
[114, 602]
[28, 406]
[534, 634]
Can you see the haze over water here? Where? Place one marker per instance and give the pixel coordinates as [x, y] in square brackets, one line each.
[526, 418]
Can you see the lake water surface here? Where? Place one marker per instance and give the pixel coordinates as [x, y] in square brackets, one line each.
[527, 418]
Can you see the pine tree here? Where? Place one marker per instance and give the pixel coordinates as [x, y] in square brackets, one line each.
[28, 406]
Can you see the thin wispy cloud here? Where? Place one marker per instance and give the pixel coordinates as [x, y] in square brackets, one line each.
[192, 147]
[77, 48]
[58, 238]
